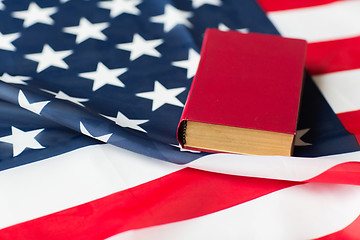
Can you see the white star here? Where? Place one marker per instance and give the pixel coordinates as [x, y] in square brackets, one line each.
[35, 14]
[162, 95]
[36, 107]
[184, 149]
[190, 64]
[86, 30]
[22, 140]
[63, 96]
[2, 6]
[123, 121]
[199, 3]
[299, 135]
[223, 27]
[103, 76]
[14, 79]
[6, 41]
[64, 1]
[140, 46]
[172, 17]
[118, 7]
[48, 57]
[103, 138]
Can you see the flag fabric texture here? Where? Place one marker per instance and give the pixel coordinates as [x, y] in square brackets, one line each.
[91, 93]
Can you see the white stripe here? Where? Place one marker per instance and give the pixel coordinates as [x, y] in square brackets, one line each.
[341, 89]
[345, 157]
[273, 167]
[301, 212]
[326, 22]
[67, 180]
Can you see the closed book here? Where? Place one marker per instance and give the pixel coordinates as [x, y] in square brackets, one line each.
[245, 95]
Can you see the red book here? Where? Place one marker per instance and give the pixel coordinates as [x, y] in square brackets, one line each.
[250, 83]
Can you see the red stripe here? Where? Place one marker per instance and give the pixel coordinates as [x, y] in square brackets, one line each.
[351, 122]
[344, 173]
[279, 5]
[182, 195]
[333, 56]
[351, 232]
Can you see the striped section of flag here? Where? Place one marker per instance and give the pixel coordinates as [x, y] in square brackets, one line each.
[309, 207]
[319, 23]
[333, 34]
[116, 191]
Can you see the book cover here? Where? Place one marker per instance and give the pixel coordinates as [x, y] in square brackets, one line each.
[248, 81]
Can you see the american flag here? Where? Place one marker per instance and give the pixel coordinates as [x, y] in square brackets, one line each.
[91, 93]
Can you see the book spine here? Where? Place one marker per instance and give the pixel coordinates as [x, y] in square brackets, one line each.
[181, 131]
